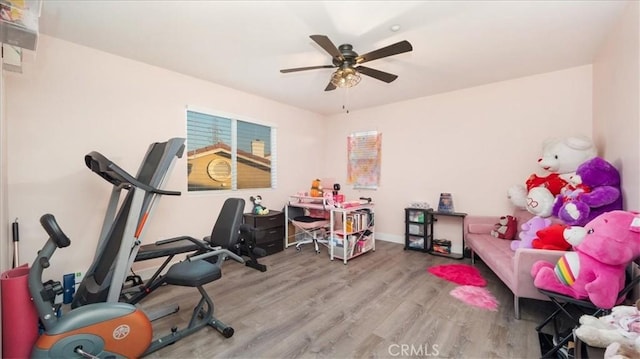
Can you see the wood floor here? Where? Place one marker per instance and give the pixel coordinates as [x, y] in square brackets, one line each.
[383, 304]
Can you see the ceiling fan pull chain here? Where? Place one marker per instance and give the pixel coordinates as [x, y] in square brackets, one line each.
[345, 106]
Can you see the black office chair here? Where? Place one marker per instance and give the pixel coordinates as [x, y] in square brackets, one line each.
[573, 309]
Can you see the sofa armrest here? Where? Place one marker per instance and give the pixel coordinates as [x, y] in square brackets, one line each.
[479, 224]
[522, 262]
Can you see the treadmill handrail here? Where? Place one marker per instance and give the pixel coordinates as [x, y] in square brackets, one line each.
[117, 176]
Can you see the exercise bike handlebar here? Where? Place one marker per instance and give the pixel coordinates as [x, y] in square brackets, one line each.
[49, 223]
[57, 239]
[117, 176]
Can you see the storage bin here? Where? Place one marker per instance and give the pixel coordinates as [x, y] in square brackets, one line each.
[442, 246]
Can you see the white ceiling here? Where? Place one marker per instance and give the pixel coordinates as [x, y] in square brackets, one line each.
[244, 44]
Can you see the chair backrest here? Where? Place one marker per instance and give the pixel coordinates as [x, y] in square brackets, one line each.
[227, 228]
[293, 212]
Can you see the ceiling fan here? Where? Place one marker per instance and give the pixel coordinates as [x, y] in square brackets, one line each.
[349, 62]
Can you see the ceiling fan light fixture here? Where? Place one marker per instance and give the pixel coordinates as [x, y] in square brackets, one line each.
[345, 77]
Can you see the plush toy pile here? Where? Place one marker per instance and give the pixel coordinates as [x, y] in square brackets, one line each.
[560, 159]
[619, 331]
[529, 231]
[595, 270]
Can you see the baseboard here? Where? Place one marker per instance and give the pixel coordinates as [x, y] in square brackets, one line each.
[393, 238]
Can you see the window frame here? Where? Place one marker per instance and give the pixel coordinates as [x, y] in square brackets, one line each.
[234, 118]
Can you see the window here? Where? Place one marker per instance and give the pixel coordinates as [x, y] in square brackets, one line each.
[228, 154]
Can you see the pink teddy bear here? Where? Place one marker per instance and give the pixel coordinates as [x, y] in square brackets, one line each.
[529, 230]
[596, 268]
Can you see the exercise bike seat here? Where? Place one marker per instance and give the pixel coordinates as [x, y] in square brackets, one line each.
[193, 274]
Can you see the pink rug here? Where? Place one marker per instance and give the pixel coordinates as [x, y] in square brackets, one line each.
[476, 296]
[462, 274]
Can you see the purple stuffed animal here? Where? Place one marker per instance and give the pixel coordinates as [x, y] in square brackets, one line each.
[528, 232]
[595, 190]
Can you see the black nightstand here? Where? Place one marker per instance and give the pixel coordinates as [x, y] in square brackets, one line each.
[269, 230]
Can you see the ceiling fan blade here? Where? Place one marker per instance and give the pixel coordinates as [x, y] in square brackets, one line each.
[377, 74]
[330, 87]
[397, 48]
[328, 46]
[307, 68]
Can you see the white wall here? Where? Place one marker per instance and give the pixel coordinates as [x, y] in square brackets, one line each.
[73, 100]
[5, 250]
[616, 106]
[474, 143]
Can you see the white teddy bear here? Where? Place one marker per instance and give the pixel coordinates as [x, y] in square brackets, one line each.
[619, 351]
[560, 159]
[622, 326]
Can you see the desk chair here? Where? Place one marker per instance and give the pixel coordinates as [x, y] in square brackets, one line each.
[564, 303]
[313, 229]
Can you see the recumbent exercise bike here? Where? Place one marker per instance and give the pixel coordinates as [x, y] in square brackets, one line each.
[114, 329]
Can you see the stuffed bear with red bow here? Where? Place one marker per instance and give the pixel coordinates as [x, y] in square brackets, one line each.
[560, 159]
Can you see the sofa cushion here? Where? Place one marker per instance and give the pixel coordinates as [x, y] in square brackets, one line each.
[496, 253]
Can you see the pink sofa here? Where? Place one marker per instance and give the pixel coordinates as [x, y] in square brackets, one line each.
[512, 267]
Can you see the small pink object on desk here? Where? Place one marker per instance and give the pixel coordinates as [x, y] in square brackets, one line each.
[350, 204]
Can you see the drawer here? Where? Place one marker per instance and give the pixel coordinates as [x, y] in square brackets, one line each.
[271, 220]
[269, 235]
[273, 246]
